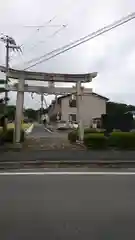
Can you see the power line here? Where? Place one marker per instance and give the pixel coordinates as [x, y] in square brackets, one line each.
[43, 26]
[39, 101]
[46, 23]
[44, 41]
[31, 26]
[41, 42]
[50, 36]
[82, 40]
[37, 30]
[61, 12]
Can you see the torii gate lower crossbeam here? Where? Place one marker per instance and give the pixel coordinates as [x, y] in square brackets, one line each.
[20, 102]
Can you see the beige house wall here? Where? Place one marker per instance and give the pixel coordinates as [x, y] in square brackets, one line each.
[91, 107]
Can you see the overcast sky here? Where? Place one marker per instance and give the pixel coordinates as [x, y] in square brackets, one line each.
[112, 55]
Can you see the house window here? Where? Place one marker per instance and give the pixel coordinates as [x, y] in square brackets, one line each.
[72, 101]
[72, 117]
[58, 117]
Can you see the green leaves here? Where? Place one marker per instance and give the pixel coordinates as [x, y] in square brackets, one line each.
[2, 100]
[2, 89]
[2, 81]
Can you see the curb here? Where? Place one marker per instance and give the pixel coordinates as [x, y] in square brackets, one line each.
[43, 164]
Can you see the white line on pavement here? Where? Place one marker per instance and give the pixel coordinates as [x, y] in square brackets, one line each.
[48, 130]
[67, 173]
[28, 130]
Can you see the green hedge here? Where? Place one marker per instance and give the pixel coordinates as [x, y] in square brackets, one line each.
[73, 136]
[95, 141]
[122, 140]
[90, 130]
[93, 130]
[8, 136]
[116, 140]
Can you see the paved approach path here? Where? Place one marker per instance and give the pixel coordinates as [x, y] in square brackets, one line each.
[67, 205]
[42, 138]
[39, 131]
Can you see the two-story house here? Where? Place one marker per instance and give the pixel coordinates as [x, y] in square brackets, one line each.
[92, 107]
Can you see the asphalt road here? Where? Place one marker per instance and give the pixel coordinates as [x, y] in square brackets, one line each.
[39, 131]
[67, 206]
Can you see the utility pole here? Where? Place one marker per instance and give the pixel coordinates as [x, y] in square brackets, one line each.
[19, 110]
[10, 44]
[6, 84]
[7, 66]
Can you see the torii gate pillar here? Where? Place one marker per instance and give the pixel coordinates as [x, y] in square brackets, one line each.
[19, 110]
[79, 103]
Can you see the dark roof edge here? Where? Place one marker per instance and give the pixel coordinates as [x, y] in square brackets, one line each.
[100, 96]
[93, 93]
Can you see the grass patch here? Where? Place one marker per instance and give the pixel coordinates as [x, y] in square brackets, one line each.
[24, 125]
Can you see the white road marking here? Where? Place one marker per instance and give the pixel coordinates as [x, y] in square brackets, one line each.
[29, 130]
[67, 173]
[48, 130]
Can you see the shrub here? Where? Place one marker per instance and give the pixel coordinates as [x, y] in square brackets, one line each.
[90, 130]
[93, 130]
[122, 140]
[73, 136]
[9, 135]
[114, 140]
[95, 141]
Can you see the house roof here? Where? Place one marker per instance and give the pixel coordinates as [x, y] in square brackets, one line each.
[93, 93]
[69, 94]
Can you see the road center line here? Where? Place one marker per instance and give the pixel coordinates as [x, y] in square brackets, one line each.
[66, 173]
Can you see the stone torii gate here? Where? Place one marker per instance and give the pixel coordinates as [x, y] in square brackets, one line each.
[51, 78]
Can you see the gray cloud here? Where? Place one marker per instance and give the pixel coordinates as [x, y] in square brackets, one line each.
[111, 54]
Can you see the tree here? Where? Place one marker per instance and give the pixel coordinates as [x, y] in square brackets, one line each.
[31, 114]
[118, 108]
[2, 101]
[118, 116]
[2, 89]
[11, 112]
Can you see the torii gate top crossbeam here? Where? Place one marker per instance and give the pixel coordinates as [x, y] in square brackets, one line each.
[42, 76]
